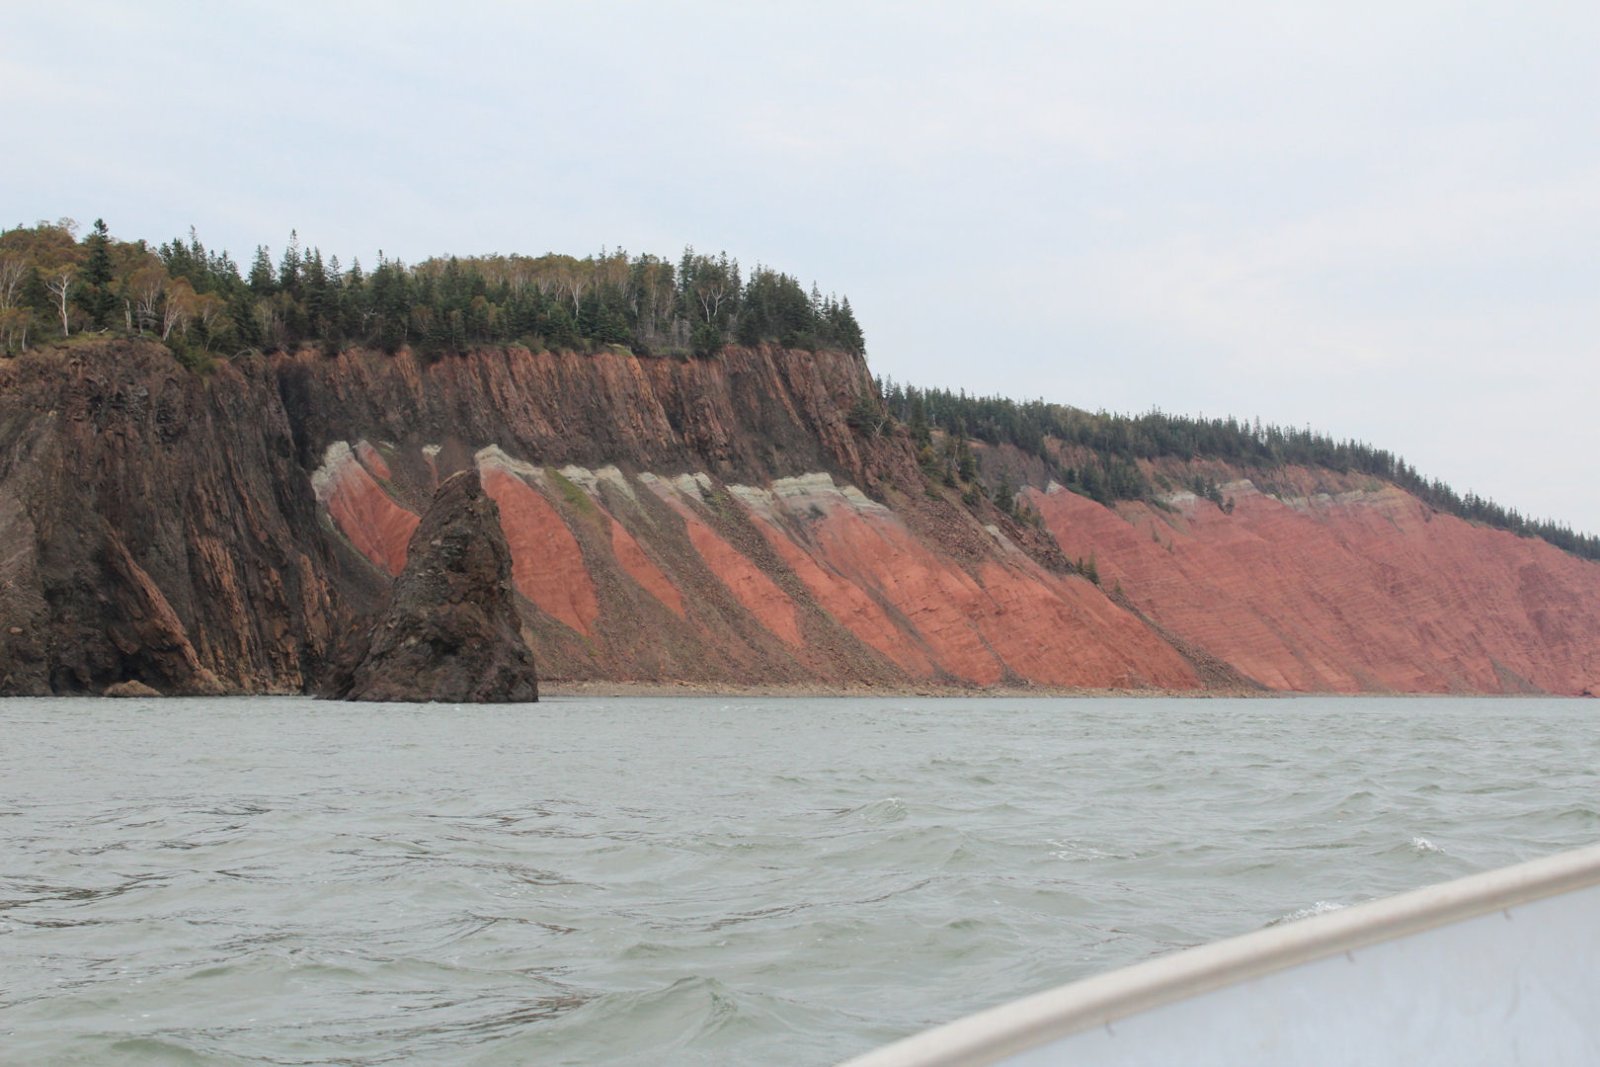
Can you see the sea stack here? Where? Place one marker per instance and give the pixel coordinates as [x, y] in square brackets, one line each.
[451, 632]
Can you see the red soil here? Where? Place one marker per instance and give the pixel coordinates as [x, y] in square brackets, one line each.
[762, 598]
[1361, 592]
[1366, 591]
[547, 565]
[1010, 622]
[379, 528]
[642, 570]
[848, 604]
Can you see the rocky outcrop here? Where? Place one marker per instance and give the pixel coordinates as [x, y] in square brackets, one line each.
[451, 632]
[130, 690]
[714, 521]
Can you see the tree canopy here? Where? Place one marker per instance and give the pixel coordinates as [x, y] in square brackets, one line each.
[200, 302]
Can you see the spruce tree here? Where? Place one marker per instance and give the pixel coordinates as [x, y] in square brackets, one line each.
[95, 296]
[263, 280]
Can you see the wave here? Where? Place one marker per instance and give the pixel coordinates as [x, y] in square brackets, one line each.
[1321, 907]
[889, 809]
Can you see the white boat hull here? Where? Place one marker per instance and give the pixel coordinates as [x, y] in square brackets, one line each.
[1499, 968]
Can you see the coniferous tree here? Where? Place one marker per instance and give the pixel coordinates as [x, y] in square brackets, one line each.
[263, 281]
[289, 267]
[95, 295]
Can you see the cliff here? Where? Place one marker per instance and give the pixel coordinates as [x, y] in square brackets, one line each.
[157, 527]
[714, 520]
[1345, 584]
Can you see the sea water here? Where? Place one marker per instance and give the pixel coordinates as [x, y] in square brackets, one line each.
[700, 880]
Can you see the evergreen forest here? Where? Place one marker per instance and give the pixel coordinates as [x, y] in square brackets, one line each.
[202, 304]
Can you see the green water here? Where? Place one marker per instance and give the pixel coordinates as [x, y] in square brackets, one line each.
[700, 880]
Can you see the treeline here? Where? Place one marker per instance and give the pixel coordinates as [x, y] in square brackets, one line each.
[200, 302]
[1115, 443]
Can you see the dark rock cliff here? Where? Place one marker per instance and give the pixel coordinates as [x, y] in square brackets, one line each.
[747, 414]
[157, 527]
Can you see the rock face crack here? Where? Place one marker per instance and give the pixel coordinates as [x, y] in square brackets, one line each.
[451, 632]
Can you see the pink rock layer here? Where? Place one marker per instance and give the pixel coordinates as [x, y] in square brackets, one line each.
[1364, 591]
[547, 566]
[379, 528]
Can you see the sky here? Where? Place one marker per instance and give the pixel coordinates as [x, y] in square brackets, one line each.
[1381, 221]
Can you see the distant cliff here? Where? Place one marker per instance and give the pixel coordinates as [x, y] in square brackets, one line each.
[731, 519]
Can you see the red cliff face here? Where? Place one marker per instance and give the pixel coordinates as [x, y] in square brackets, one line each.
[800, 580]
[712, 521]
[348, 488]
[1365, 589]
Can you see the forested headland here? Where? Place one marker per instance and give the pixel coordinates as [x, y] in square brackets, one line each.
[1110, 446]
[204, 306]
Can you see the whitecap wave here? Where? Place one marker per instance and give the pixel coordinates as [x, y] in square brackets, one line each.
[889, 809]
[1321, 907]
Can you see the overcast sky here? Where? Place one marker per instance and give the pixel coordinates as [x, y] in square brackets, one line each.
[1379, 220]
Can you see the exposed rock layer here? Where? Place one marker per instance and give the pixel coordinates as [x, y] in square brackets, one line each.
[451, 631]
[712, 521]
[1357, 590]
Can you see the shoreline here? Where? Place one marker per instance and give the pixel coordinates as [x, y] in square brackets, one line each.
[573, 688]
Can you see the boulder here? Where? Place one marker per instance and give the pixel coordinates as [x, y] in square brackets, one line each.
[131, 688]
[451, 632]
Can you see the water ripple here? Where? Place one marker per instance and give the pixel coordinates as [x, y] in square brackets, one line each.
[699, 881]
